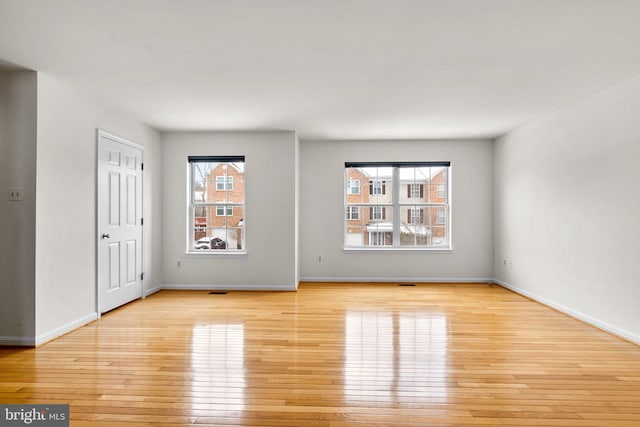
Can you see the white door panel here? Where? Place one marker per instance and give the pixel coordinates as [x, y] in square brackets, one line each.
[119, 222]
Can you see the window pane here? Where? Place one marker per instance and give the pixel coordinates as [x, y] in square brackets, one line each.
[225, 182]
[423, 226]
[379, 238]
[438, 185]
[378, 226]
[199, 173]
[237, 219]
[414, 226]
[355, 227]
[414, 184]
[355, 180]
[235, 236]
[199, 227]
[438, 236]
[375, 185]
[218, 238]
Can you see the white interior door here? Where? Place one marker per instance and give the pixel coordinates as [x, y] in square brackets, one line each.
[119, 221]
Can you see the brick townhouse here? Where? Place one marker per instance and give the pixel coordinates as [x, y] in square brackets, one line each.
[224, 186]
[370, 224]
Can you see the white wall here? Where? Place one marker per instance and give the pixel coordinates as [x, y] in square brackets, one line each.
[297, 213]
[269, 218]
[17, 219]
[66, 204]
[567, 209]
[322, 207]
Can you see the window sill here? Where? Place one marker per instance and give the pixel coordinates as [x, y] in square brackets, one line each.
[390, 249]
[221, 253]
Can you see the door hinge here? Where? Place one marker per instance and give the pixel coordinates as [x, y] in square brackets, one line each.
[141, 276]
[141, 221]
[141, 166]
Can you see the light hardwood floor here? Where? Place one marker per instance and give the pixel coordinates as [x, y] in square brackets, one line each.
[333, 355]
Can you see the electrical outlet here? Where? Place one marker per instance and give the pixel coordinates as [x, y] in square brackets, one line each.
[319, 258]
[179, 264]
[15, 194]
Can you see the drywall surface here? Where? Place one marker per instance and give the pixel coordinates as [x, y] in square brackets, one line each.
[297, 213]
[66, 203]
[322, 213]
[270, 182]
[567, 209]
[17, 218]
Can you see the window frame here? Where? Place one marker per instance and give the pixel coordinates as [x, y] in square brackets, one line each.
[350, 213]
[377, 187]
[416, 215]
[351, 187]
[225, 184]
[213, 206]
[223, 210]
[377, 213]
[398, 205]
[416, 191]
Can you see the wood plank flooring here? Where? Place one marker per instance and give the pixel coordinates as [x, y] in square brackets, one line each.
[333, 355]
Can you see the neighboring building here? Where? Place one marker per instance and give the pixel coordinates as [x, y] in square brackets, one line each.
[224, 220]
[370, 224]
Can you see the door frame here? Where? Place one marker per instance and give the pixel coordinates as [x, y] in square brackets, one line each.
[100, 133]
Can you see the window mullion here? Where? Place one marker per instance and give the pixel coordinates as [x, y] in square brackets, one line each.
[395, 200]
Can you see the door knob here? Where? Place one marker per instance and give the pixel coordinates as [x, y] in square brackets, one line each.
[105, 236]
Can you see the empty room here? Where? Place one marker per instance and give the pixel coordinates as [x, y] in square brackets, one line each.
[320, 213]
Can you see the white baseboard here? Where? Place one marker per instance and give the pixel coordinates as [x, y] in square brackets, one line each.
[400, 279]
[244, 287]
[55, 333]
[607, 327]
[152, 290]
[17, 341]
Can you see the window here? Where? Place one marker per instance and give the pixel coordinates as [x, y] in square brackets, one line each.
[353, 186]
[224, 183]
[407, 205]
[216, 204]
[220, 211]
[377, 187]
[353, 212]
[415, 191]
[377, 213]
[415, 215]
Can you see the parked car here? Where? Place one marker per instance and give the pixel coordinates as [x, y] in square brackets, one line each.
[205, 243]
[217, 243]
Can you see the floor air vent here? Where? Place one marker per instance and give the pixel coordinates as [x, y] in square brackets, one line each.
[217, 293]
[406, 284]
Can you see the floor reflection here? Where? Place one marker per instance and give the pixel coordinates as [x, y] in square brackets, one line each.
[217, 363]
[369, 366]
[399, 358]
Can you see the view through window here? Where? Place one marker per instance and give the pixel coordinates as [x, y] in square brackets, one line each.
[217, 203]
[402, 205]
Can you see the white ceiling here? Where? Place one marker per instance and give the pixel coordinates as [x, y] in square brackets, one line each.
[329, 69]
